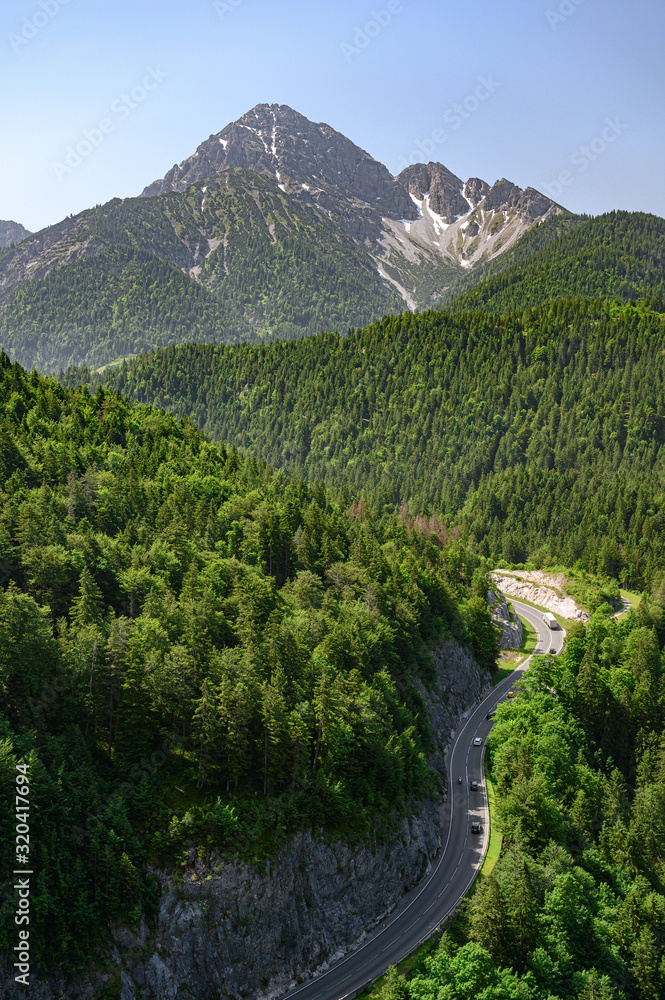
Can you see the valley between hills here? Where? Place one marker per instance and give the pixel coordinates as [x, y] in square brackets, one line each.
[272, 433]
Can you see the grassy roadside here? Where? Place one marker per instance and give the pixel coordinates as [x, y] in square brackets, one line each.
[406, 967]
[632, 598]
[529, 643]
[503, 672]
[511, 658]
[496, 835]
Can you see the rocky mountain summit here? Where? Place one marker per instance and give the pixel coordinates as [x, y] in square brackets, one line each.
[11, 233]
[420, 227]
[310, 162]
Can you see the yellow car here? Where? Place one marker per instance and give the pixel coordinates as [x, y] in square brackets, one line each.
[511, 694]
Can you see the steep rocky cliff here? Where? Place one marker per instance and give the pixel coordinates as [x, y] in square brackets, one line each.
[235, 931]
[509, 623]
[11, 233]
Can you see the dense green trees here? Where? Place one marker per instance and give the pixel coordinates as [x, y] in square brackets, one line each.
[234, 259]
[538, 434]
[194, 648]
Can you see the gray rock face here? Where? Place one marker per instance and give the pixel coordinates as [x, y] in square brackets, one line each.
[64, 243]
[312, 162]
[442, 187]
[460, 682]
[510, 623]
[475, 190]
[12, 232]
[413, 234]
[506, 196]
[234, 931]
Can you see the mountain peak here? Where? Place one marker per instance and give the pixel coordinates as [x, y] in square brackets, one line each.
[308, 160]
[12, 232]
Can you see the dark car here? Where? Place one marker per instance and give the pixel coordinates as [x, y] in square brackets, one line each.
[475, 826]
[474, 786]
[490, 715]
[553, 651]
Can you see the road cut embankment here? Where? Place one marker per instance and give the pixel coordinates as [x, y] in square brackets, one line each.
[539, 589]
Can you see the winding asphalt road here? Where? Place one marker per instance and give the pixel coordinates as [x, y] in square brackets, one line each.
[422, 910]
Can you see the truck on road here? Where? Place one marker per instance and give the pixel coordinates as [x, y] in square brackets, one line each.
[550, 620]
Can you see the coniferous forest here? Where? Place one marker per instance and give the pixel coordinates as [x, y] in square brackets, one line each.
[620, 255]
[536, 434]
[265, 268]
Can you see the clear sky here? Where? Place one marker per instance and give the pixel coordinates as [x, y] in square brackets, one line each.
[567, 96]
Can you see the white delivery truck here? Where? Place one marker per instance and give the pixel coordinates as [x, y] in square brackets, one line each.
[550, 620]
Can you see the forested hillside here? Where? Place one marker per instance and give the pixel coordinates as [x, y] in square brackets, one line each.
[539, 435]
[195, 649]
[575, 907]
[619, 255]
[229, 259]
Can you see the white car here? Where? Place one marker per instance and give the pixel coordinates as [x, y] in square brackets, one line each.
[477, 742]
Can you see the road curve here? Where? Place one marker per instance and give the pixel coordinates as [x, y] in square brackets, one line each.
[422, 910]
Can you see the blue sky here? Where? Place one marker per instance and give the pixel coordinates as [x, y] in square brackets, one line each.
[563, 95]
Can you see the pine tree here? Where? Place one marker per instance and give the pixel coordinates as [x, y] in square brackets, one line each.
[88, 606]
[489, 921]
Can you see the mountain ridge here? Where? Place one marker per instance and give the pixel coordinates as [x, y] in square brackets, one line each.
[276, 227]
[349, 185]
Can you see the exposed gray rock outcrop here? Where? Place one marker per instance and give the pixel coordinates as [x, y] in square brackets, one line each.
[12, 232]
[424, 220]
[539, 593]
[442, 186]
[314, 164]
[509, 623]
[412, 234]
